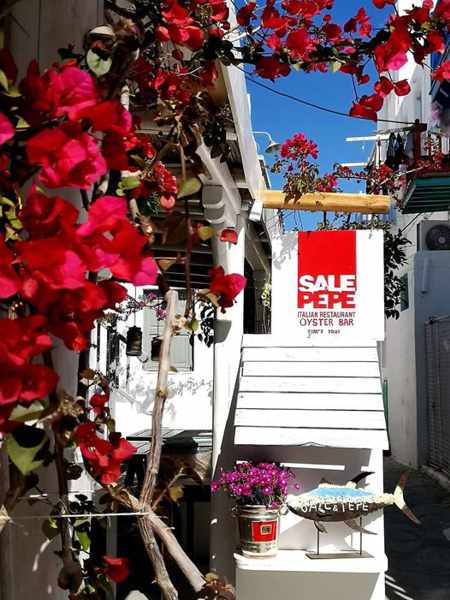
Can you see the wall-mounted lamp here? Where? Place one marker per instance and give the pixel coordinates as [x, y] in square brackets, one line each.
[273, 146]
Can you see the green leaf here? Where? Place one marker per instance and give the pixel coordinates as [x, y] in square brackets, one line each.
[98, 65]
[4, 80]
[80, 521]
[27, 413]
[84, 538]
[22, 124]
[50, 528]
[335, 66]
[12, 92]
[23, 446]
[129, 183]
[7, 201]
[190, 186]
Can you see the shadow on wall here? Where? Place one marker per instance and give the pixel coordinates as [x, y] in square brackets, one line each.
[285, 245]
[184, 388]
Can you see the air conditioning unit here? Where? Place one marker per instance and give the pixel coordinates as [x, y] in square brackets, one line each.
[433, 235]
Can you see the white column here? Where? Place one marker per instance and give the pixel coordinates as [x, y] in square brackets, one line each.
[227, 352]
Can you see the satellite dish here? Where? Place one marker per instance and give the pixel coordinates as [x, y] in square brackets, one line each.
[438, 238]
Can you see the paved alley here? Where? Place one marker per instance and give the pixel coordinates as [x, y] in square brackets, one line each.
[419, 557]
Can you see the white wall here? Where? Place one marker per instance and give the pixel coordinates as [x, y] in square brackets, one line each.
[189, 404]
[399, 349]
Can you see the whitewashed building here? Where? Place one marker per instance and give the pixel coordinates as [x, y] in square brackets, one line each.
[414, 356]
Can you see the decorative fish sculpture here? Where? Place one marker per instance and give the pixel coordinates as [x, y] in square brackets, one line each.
[345, 503]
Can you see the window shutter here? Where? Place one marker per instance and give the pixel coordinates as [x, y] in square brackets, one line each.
[181, 353]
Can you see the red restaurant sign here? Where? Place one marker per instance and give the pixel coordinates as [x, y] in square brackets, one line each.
[336, 278]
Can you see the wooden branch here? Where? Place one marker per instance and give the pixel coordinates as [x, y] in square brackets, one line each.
[167, 588]
[167, 537]
[6, 6]
[159, 401]
[327, 202]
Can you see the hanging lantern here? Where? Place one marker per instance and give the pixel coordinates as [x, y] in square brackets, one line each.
[134, 341]
[156, 346]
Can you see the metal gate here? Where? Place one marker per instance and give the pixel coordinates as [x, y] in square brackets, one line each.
[437, 333]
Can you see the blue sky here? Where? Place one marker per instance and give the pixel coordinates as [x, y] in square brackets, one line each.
[282, 117]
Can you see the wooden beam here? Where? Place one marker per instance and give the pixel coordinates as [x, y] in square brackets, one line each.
[327, 202]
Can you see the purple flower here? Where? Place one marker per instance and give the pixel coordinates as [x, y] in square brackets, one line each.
[255, 483]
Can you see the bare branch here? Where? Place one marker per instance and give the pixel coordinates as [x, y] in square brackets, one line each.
[159, 401]
[6, 6]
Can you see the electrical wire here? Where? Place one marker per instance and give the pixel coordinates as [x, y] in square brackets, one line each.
[408, 225]
[314, 105]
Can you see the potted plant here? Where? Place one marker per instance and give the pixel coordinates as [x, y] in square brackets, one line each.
[259, 491]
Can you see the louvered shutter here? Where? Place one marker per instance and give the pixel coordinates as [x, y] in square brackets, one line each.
[181, 350]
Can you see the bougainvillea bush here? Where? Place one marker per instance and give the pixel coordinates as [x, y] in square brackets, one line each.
[81, 187]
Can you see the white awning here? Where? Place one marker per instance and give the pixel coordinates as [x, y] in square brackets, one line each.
[309, 395]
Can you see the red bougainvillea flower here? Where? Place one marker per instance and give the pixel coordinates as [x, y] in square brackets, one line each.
[50, 263]
[246, 13]
[299, 43]
[402, 88]
[98, 402]
[108, 116]
[367, 107]
[69, 157]
[435, 41]
[10, 283]
[383, 3]
[43, 216]
[23, 339]
[271, 67]
[26, 383]
[62, 90]
[392, 55]
[361, 21]
[7, 131]
[103, 215]
[383, 87]
[442, 72]
[299, 147]
[104, 457]
[226, 287]
[229, 235]
[71, 314]
[442, 10]
[116, 568]
[122, 249]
